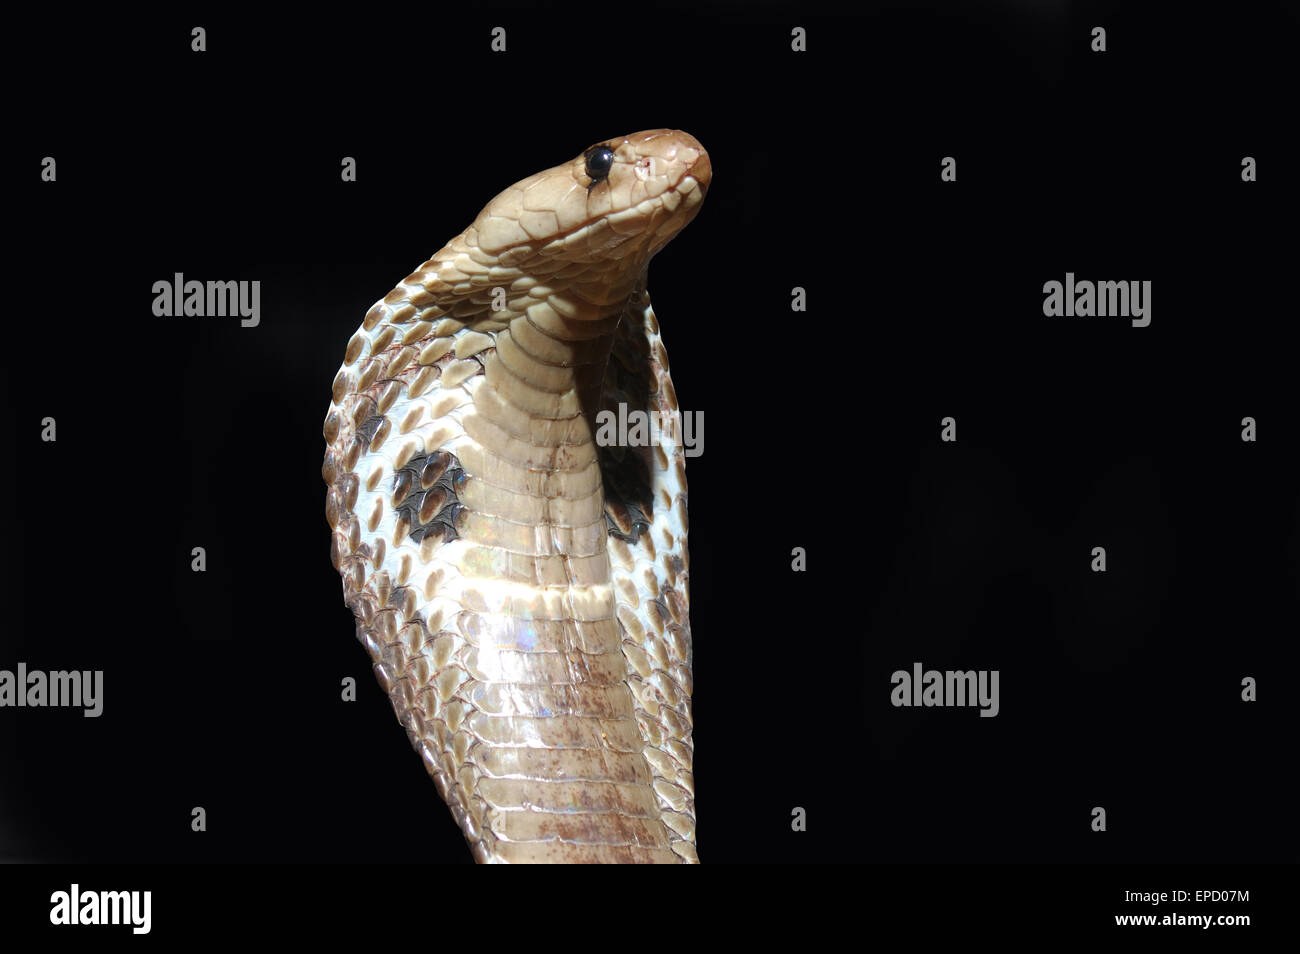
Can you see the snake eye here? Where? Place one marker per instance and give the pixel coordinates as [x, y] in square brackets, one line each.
[600, 159]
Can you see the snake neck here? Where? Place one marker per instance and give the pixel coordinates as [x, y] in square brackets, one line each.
[543, 382]
[540, 509]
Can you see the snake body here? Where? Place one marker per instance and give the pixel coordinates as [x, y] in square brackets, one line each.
[522, 591]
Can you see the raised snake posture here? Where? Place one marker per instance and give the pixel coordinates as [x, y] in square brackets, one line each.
[521, 590]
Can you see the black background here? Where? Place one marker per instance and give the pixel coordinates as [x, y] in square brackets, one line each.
[1119, 690]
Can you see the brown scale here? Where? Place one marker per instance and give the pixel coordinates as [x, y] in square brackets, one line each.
[425, 495]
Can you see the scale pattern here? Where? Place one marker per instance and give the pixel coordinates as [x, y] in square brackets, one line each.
[522, 591]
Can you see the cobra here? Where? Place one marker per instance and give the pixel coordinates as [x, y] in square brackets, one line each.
[522, 591]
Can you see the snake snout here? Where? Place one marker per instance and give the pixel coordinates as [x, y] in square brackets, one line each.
[696, 159]
[701, 170]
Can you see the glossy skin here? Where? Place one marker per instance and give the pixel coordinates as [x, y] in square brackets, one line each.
[523, 593]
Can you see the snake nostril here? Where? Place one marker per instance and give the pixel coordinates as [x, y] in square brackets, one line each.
[645, 168]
